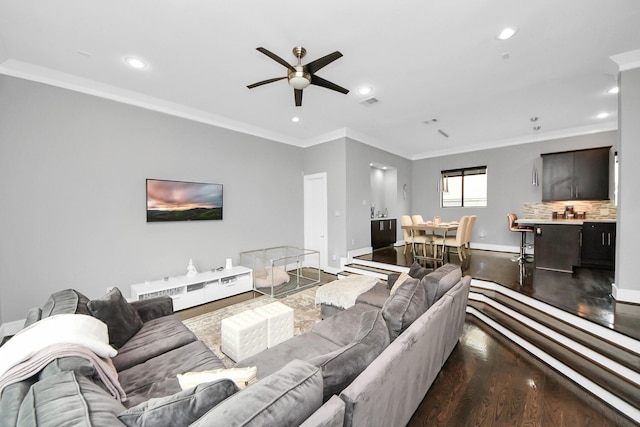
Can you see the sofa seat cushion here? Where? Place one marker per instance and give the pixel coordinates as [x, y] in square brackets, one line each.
[68, 399]
[341, 367]
[122, 320]
[303, 347]
[157, 376]
[156, 337]
[440, 282]
[342, 327]
[403, 307]
[68, 301]
[180, 409]
[375, 296]
[285, 398]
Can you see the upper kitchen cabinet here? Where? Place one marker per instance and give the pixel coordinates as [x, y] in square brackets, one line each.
[576, 175]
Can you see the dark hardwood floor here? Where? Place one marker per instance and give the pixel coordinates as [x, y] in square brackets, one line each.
[489, 381]
[586, 292]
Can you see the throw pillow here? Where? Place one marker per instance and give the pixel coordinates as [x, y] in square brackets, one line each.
[242, 377]
[400, 281]
[121, 318]
[285, 398]
[403, 307]
[391, 279]
[440, 281]
[341, 367]
[180, 409]
[418, 272]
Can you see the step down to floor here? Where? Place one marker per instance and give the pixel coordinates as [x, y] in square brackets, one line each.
[371, 268]
[599, 359]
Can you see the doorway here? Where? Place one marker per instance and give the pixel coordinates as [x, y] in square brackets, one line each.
[315, 216]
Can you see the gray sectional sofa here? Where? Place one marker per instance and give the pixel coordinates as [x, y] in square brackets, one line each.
[383, 347]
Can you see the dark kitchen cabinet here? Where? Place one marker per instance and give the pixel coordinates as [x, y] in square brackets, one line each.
[576, 175]
[598, 244]
[383, 232]
[557, 247]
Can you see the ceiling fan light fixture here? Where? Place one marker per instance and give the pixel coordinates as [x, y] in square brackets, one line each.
[507, 33]
[135, 62]
[299, 79]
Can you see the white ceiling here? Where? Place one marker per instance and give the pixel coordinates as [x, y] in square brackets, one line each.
[425, 59]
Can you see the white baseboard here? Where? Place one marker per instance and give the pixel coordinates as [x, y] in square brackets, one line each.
[625, 295]
[359, 252]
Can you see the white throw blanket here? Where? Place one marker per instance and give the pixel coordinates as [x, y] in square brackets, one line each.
[32, 346]
[343, 293]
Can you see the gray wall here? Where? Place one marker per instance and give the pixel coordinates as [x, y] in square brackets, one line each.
[509, 182]
[72, 192]
[627, 283]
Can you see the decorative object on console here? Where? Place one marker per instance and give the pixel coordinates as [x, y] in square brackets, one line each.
[228, 264]
[191, 270]
[183, 201]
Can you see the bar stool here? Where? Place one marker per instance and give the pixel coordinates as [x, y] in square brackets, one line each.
[523, 230]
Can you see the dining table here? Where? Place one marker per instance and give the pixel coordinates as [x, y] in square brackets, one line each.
[441, 228]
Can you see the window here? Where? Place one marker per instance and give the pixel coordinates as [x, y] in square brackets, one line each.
[464, 187]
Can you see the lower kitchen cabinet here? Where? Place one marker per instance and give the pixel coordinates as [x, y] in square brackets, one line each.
[598, 244]
[383, 232]
[557, 247]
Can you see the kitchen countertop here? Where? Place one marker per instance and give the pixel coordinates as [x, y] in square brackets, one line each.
[530, 221]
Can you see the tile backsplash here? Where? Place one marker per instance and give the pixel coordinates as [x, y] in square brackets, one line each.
[596, 209]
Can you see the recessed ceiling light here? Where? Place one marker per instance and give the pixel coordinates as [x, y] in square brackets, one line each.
[614, 90]
[295, 119]
[135, 62]
[507, 33]
[602, 115]
[365, 90]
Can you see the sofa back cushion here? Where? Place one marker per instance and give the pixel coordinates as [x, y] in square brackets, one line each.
[179, 409]
[440, 282]
[68, 301]
[121, 318]
[284, 398]
[403, 307]
[342, 366]
[68, 399]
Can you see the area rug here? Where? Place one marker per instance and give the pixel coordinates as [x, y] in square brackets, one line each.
[207, 326]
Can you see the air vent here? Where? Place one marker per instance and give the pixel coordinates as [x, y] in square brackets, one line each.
[370, 101]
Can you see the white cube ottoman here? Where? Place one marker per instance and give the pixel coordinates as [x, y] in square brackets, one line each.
[279, 322]
[243, 335]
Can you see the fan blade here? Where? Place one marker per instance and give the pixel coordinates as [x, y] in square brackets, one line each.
[319, 63]
[276, 58]
[298, 95]
[319, 81]
[264, 82]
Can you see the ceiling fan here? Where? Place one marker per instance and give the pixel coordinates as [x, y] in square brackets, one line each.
[300, 76]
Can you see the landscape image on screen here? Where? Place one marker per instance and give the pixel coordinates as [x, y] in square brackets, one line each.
[183, 201]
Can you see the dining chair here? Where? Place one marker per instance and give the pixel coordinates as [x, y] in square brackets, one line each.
[457, 241]
[468, 232]
[410, 237]
[429, 237]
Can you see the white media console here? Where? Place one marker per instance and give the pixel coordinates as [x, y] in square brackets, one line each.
[199, 289]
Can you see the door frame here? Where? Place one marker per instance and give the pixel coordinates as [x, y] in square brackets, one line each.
[324, 250]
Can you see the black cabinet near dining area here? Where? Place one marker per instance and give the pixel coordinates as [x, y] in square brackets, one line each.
[383, 232]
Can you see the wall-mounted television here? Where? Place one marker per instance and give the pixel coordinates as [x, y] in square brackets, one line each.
[183, 201]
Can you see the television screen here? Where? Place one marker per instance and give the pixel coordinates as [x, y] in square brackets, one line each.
[183, 201]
